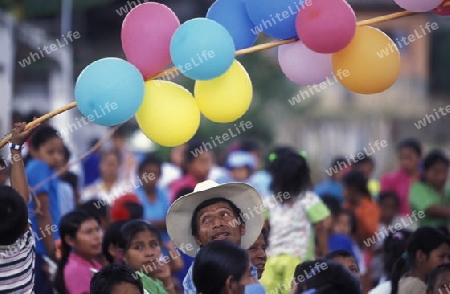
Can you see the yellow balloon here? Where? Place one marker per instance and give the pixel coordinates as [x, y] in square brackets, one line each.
[370, 64]
[226, 98]
[169, 114]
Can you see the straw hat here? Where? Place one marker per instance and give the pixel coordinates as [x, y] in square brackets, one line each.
[181, 211]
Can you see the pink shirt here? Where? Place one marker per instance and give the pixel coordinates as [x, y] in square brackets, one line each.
[187, 181]
[399, 182]
[77, 274]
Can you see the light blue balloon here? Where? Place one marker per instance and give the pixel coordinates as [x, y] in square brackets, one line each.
[275, 18]
[202, 49]
[109, 91]
[233, 15]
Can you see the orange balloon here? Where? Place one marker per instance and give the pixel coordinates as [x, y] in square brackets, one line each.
[370, 64]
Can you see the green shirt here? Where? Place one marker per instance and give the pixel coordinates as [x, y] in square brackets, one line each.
[421, 197]
[150, 285]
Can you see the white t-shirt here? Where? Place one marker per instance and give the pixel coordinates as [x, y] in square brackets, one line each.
[384, 288]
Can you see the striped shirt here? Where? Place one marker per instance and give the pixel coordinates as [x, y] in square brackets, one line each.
[17, 265]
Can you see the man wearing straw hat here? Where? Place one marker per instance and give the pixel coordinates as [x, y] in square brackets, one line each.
[215, 212]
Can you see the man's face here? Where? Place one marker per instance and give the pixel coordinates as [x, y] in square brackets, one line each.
[218, 222]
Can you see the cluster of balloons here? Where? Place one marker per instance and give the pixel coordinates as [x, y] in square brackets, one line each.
[204, 49]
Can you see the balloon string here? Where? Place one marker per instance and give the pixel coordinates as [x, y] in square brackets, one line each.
[173, 71]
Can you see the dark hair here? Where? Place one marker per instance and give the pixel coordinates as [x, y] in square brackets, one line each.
[68, 227]
[355, 179]
[337, 160]
[303, 267]
[183, 191]
[365, 159]
[42, 135]
[265, 236]
[189, 152]
[111, 237]
[13, 215]
[150, 159]
[104, 154]
[425, 239]
[216, 262]
[412, 144]
[353, 224]
[129, 230]
[67, 153]
[393, 247]
[135, 210]
[112, 275]
[93, 208]
[249, 145]
[435, 156]
[206, 203]
[386, 195]
[332, 203]
[433, 277]
[338, 253]
[289, 170]
[335, 279]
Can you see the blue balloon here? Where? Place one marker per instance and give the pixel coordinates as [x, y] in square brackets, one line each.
[275, 18]
[202, 49]
[233, 15]
[109, 91]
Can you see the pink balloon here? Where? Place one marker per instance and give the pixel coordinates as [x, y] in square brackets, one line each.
[418, 5]
[326, 26]
[146, 33]
[303, 66]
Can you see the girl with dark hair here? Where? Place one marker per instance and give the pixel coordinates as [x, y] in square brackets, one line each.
[140, 248]
[110, 242]
[297, 218]
[393, 247]
[426, 249]
[222, 267]
[429, 195]
[81, 243]
[47, 151]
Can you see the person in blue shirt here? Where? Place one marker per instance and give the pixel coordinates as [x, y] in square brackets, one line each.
[154, 198]
[333, 185]
[47, 152]
[91, 165]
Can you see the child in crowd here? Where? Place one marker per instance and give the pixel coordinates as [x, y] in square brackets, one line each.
[140, 248]
[367, 166]
[257, 252]
[327, 277]
[333, 185]
[427, 249]
[439, 280]
[154, 198]
[115, 279]
[429, 195]
[345, 258]
[393, 248]
[47, 152]
[240, 167]
[99, 211]
[400, 181]
[196, 167]
[359, 201]
[17, 243]
[389, 204]
[340, 232]
[81, 243]
[111, 239]
[110, 186]
[295, 219]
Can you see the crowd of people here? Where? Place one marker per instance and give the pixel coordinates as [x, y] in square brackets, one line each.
[254, 224]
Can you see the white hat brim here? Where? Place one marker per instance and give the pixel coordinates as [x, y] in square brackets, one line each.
[245, 197]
